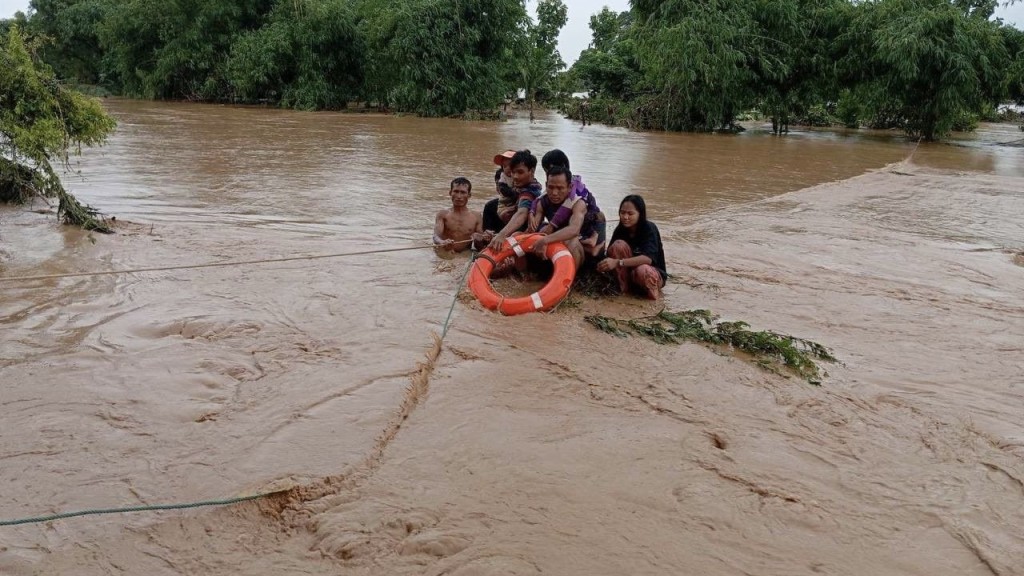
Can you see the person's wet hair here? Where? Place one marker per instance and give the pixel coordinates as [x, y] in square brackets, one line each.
[506, 190]
[526, 158]
[497, 175]
[641, 207]
[554, 158]
[557, 170]
[461, 181]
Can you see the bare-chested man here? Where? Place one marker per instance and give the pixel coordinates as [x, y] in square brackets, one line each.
[455, 227]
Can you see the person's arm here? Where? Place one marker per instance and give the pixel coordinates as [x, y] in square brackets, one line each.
[643, 254]
[506, 213]
[609, 264]
[633, 261]
[514, 223]
[590, 241]
[479, 236]
[439, 231]
[536, 217]
[571, 230]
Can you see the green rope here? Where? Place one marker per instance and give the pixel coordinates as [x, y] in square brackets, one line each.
[96, 511]
[224, 502]
[458, 289]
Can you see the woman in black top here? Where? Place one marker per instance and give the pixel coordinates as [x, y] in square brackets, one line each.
[636, 253]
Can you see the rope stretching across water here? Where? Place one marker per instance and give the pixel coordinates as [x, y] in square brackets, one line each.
[228, 263]
[223, 264]
[96, 511]
[239, 499]
[224, 501]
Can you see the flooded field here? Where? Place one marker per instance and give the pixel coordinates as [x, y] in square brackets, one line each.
[538, 445]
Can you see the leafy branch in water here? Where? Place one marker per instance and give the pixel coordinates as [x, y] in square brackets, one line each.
[765, 347]
[41, 124]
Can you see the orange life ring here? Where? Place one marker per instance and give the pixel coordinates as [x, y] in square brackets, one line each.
[544, 299]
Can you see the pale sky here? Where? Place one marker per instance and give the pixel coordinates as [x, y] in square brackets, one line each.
[576, 34]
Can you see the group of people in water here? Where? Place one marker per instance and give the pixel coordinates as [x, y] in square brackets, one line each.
[563, 210]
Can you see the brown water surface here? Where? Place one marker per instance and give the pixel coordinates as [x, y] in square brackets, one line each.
[543, 446]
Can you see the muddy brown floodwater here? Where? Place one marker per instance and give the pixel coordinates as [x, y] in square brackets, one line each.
[538, 445]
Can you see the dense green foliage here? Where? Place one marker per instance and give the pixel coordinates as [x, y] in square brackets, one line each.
[610, 67]
[926, 66]
[41, 122]
[1014, 41]
[443, 57]
[429, 57]
[306, 56]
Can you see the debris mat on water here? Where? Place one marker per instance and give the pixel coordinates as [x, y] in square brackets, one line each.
[766, 348]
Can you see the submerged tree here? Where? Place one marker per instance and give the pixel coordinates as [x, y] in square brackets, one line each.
[791, 55]
[609, 66]
[178, 50]
[42, 122]
[442, 57]
[308, 56]
[926, 66]
[1014, 40]
[541, 60]
[925, 63]
[697, 56]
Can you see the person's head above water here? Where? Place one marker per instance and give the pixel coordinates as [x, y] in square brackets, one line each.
[504, 159]
[554, 158]
[632, 211]
[461, 181]
[558, 183]
[460, 190]
[523, 165]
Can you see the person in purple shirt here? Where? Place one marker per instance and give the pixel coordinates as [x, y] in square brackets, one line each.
[592, 232]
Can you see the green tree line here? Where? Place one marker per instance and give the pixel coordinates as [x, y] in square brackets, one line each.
[926, 66]
[428, 57]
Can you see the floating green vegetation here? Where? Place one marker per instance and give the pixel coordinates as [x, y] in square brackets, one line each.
[767, 349]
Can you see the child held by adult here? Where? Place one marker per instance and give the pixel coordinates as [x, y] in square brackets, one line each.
[498, 211]
[526, 188]
[636, 253]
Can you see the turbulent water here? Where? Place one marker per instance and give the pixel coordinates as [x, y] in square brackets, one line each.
[535, 444]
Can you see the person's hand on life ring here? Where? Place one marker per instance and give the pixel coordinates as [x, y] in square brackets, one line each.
[497, 243]
[540, 246]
